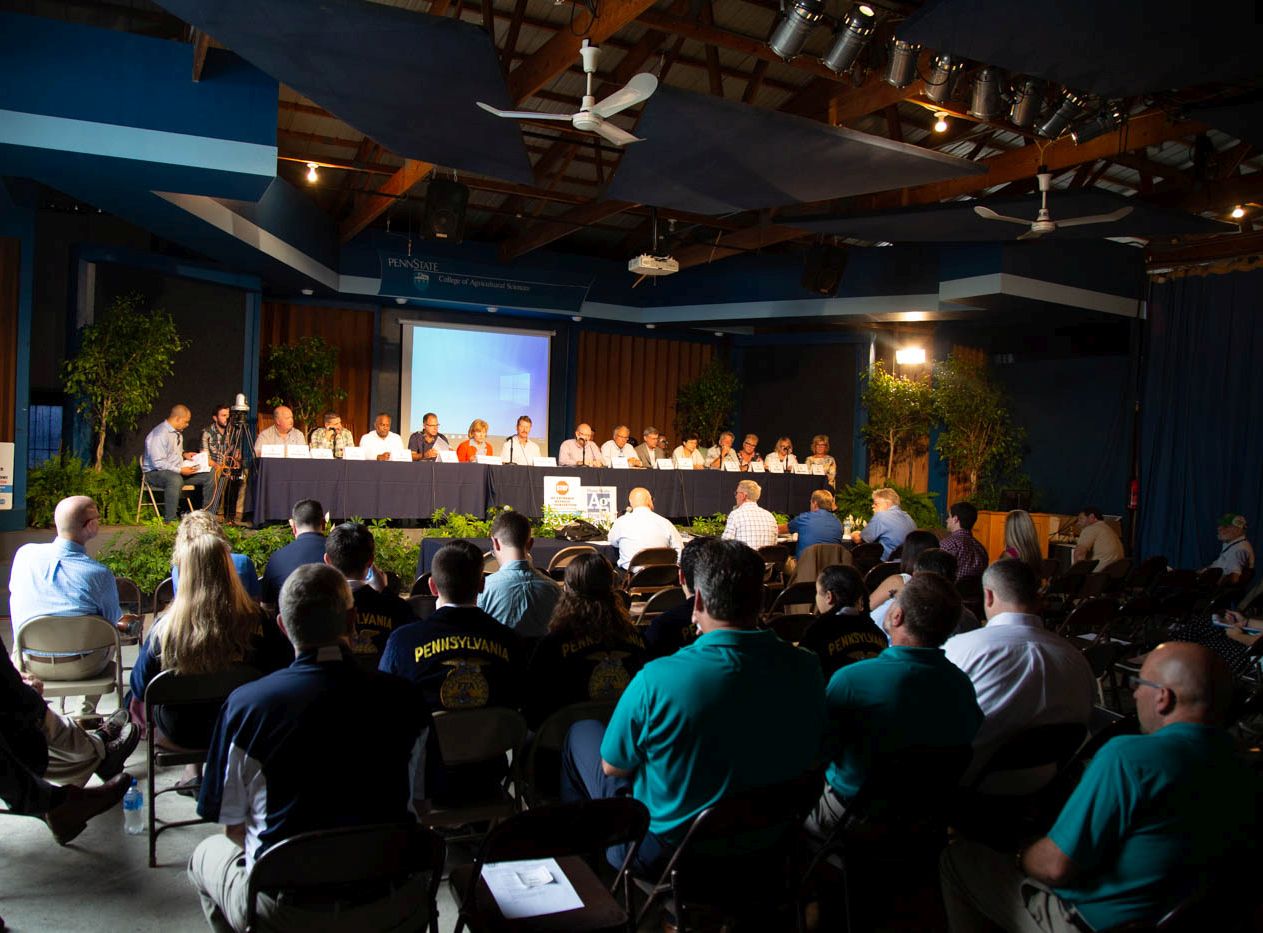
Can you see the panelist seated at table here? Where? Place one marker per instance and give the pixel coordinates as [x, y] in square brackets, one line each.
[820, 458]
[519, 448]
[379, 443]
[620, 446]
[580, 450]
[647, 451]
[688, 453]
[426, 443]
[332, 436]
[781, 459]
[749, 452]
[282, 432]
[468, 450]
[722, 453]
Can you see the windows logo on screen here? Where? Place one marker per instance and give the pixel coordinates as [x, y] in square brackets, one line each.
[516, 388]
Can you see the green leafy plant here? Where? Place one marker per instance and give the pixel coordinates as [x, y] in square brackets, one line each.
[900, 411]
[258, 545]
[445, 524]
[124, 356]
[857, 499]
[978, 435]
[145, 557]
[704, 406]
[396, 552]
[115, 488]
[711, 527]
[302, 374]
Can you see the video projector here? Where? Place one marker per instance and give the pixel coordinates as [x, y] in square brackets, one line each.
[644, 264]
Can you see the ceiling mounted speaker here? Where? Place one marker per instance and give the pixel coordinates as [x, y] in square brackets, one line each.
[445, 210]
[822, 272]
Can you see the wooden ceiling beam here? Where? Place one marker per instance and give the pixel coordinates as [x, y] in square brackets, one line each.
[509, 51]
[554, 228]
[370, 208]
[706, 14]
[840, 101]
[755, 83]
[1220, 247]
[1219, 196]
[201, 45]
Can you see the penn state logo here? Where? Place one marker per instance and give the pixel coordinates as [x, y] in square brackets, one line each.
[465, 686]
[421, 281]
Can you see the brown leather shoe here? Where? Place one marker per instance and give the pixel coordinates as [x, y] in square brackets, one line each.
[68, 819]
[117, 752]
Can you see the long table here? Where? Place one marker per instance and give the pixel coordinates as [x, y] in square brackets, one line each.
[372, 489]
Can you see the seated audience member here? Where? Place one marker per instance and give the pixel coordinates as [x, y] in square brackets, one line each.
[211, 626]
[820, 458]
[1097, 540]
[591, 650]
[351, 550]
[166, 464]
[670, 631]
[737, 709]
[971, 556]
[908, 696]
[461, 656]
[818, 525]
[723, 453]
[580, 449]
[749, 452]
[647, 450]
[381, 442]
[321, 744]
[1023, 675]
[519, 448]
[517, 595]
[843, 632]
[307, 523]
[426, 443]
[41, 749]
[468, 450]
[281, 431]
[332, 436]
[889, 524]
[1154, 818]
[916, 544]
[753, 526]
[58, 578]
[1021, 540]
[641, 528]
[206, 523]
[1236, 555]
[687, 452]
[620, 445]
[781, 459]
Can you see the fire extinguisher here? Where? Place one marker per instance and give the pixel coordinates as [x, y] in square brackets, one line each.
[1133, 495]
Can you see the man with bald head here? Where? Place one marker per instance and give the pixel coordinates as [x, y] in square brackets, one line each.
[281, 431]
[1155, 817]
[60, 579]
[166, 463]
[642, 527]
[580, 450]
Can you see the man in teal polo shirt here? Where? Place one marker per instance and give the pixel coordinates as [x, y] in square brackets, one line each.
[1155, 817]
[737, 709]
[909, 695]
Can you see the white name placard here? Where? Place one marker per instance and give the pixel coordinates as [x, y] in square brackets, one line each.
[544, 461]
[321, 453]
[353, 453]
[664, 464]
[683, 464]
[802, 469]
[400, 456]
[620, 463]
[731, 466]
[272, 450]
[490, 460]
[448, 456]
[756, 466]
[773, 466]
[817, 469]
[298, 451]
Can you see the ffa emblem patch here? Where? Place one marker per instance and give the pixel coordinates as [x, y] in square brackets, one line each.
[609, 678]
[464, 687]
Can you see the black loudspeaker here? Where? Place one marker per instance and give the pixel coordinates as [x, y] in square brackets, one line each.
[822, 272]
[445, 210]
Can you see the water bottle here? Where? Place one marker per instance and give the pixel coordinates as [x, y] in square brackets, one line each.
[134, 810]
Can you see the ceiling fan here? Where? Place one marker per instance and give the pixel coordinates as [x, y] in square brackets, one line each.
[1044, 222]
[591, 117]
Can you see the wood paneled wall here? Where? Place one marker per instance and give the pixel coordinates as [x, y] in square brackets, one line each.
[10, 269]
[633, 381]
[348, 329]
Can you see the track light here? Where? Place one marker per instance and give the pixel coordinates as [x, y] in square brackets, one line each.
[903, 63]
[856, 29]
[311, 172]
[984, 103]
[940, 122]
[790, 35]
[1109, 118]
[1027, 96]
[1070, 109]
[1238, 212]
[938, 86]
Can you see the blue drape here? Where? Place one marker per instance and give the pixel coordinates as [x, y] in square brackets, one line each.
[1202, 418]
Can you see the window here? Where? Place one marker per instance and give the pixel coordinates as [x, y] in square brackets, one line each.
[44, 434]
[516, 388]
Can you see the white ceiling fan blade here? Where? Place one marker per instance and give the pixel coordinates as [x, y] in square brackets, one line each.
[1030, 235]
[612, 133]
[1096, 218]
[524, 114]
[639, 88]
[987, 213]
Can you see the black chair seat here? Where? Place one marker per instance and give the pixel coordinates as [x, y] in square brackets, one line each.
[600, 910]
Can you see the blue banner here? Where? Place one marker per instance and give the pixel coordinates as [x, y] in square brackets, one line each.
[437, 279]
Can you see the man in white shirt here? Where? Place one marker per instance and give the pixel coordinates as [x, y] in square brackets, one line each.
[641, 528]
[519, 448]
[381, 441]
[620, 446]
[748, 522]
[580, 450]
[647, 451]
[1023, 674]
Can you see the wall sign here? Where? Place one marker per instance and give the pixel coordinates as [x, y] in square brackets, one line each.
[404, 276]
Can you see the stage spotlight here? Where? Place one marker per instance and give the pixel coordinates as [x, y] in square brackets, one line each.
[1027, 96]
[856, 29]
[1070, 109]
[938, 86]
[797, 23]
[940, 122]
[984, 103]
[903, 63]
[311, 172]
[1238, 212]
[1110, 117]
[308, 291]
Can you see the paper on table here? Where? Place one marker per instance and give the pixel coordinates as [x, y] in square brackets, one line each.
[530, 888]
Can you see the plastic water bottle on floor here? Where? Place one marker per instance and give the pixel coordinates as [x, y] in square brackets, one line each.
[134, 810]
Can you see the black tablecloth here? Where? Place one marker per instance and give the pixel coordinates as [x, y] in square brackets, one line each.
[369, 489]
[541, 553]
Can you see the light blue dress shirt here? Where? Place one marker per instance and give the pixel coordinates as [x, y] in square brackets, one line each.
[519, 596]
[164, 449]
[889, 527]
[60, 579]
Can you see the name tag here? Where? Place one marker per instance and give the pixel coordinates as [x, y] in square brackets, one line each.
[400, 456]
[272, 450]
[352, 453]
[730, 467]
[684, 464]
[620, 463]
[817, 469]
[544, 461]
[320, 453]
[448, 456]
[490, 460]
[773, 466]
[756, 466]
[663, 465]
[802, 469]
[299, 451]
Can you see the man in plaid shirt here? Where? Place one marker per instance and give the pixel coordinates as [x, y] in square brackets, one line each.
[748, 523]
[971, 556]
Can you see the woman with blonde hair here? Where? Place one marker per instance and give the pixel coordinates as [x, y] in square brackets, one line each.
[820, 458]
[476, 444]
[1021, 541]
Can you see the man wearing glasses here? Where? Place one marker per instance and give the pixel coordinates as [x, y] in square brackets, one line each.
[1155, 817]
[580, 450]
[426, 443]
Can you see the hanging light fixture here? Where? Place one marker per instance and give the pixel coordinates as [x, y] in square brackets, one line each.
[855, 31]
[940, 122]
[797, 23]
[1027, 96]
[311, 172]
[1110, 117]
[1238, 212]
[984, 102]
[943, 71]
[903, 63]
[1069, 110]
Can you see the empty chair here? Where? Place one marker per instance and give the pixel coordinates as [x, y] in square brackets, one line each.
[1094, 584]
[1048, 568]
[561, 560]
[866, 556]
[774, 557]
[1089, 618]
[801, 597]
[652, 578]
[658, 603]
[471, 737]
[650, 556]
[789, 626]
[1144, 574]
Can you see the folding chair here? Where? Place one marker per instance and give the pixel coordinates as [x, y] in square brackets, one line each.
[171, 689]
[468, 737]
[561, 560]
[1089, 619]
[344, 863]
[774, 557]
[422, 606]
[59, 639]
[659, 603]
[817, 557]
[129, 600]
[866, 556]
[155, 494]
[801, 597]
[789, 626]
[549, 739]
[651, 579]
[163, 596]
[881, 572]
[421, 585]
[489, 562]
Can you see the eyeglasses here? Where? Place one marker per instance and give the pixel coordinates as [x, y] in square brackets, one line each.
[1135, 680]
